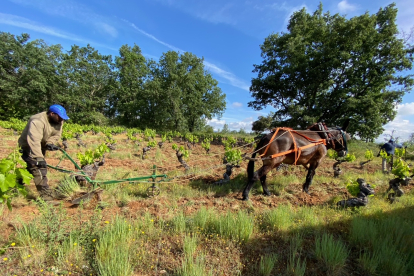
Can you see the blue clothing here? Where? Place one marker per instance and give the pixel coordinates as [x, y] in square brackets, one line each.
[390, 146]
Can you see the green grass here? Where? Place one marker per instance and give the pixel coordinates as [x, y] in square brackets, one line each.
[333, 253]
[267, 264]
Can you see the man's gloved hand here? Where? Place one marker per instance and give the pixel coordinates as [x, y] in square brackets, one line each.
[41, 162]
[378, 155]
[51, 147]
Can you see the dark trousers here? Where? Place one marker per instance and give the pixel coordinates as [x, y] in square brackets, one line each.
[39, 174]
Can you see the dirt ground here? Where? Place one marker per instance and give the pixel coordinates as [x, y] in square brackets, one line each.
[129, 160]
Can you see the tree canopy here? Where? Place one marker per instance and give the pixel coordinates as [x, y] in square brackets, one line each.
[329, 68]
[176, 93]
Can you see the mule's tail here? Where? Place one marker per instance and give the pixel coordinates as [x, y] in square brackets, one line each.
[250, 165]
[250, 168]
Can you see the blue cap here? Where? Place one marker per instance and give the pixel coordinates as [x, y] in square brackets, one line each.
[59, 110]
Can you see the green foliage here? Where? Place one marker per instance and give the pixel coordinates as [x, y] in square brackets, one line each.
[384, 155]
[369, 155]
[150, 134]
[248, 140]
[350, 157]
[332, 154]
[400, 169]
[13, 176]
[206, 144]
[263, 123]
[181, 150]
[399, 152]
[353, 187]
[233, 156]
[110, 140]
[229, 143]
[152, 144]
[333, 61]
[90, 156]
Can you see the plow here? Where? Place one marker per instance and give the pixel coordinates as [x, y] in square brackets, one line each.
[96, 185]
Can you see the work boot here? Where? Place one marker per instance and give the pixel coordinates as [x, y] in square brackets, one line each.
[47, 195]
[31, 193]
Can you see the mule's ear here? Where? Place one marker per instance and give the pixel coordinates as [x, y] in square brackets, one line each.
[346, 124]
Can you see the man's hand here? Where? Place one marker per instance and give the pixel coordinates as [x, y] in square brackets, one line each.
[41, 162]
[51, 147]
[378, 155]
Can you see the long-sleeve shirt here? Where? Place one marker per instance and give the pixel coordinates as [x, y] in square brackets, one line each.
[38, 132]
[389, 147]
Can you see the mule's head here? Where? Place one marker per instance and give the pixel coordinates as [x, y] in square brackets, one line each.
[339, 140]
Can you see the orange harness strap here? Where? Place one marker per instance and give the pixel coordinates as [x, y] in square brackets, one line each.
[297, 150]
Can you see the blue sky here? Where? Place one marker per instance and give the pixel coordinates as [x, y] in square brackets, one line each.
[227, 33]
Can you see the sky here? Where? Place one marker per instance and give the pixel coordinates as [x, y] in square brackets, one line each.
[226, 33]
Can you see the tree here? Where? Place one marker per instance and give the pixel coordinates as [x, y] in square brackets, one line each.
[263, 123]
[187, 94]
[328, 68]
[225, 129]
[90, 80]
[29, 81]
[128, 100]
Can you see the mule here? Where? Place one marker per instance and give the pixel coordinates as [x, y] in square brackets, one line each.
[295, 147]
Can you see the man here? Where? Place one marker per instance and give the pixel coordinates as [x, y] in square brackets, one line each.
[40, 134]
[389, 148]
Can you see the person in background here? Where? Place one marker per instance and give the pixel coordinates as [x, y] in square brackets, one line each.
[389, 148]
[41, 133]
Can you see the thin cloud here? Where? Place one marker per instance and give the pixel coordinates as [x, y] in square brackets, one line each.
[345, 7]
[153, 37]
[230, 77]
[21, 22]
[106, 28]
[72, 10]
[218, 15]
[237, 104]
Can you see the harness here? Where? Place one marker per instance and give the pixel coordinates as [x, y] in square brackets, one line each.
[297, 150]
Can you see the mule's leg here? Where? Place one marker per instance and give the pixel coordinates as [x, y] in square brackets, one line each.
[309, 177]
[257, 175]
[264, 186]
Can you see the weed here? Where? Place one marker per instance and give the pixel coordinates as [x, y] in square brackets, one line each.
[295, 265]
[280, 219]
[178, 223]
[267, 263]
[332, 253]
[113, 249]
[68, 187]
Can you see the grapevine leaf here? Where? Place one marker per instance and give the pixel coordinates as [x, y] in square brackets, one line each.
[6, 165]
[10, 180]
[3, 184]
[24, 175]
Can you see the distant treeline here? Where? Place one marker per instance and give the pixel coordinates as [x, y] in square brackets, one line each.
[175, 93]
